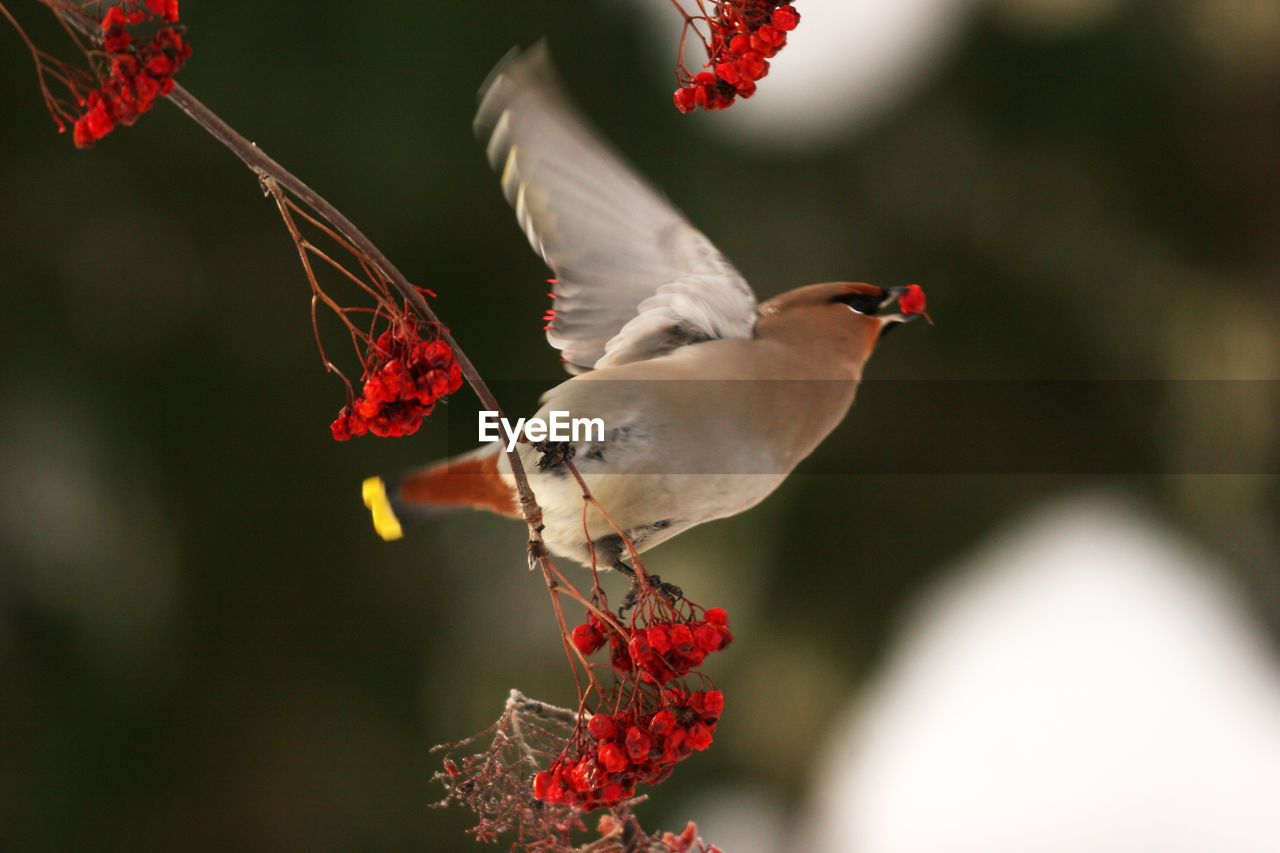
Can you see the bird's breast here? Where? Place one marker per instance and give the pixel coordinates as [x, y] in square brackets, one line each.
[677, 447]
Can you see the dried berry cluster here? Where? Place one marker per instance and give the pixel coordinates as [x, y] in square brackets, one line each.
[650, 724]
[495, 783]
[140, 69]
[744, 35]
[403, 377]
[686, 842]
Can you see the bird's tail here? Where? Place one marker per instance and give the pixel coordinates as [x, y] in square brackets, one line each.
[471, 480]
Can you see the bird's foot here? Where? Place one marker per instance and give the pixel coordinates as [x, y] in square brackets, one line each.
[669, 591]
[537, 550]
[554, 453]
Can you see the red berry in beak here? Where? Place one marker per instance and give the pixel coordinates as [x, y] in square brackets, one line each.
[912, 300]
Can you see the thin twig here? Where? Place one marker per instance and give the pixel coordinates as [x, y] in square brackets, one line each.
[265, 166]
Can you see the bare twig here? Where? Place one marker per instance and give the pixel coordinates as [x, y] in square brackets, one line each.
[265, 167]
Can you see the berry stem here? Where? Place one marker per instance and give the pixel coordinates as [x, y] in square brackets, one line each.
[588, 498]
[265, 167]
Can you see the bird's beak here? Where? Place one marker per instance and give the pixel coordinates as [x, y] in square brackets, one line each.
[909, 309]
[891, 297]
[910, 302]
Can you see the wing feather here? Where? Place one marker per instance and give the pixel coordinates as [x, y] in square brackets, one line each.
[634, 278]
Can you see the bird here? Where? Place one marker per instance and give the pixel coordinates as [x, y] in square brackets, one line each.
[706, 398]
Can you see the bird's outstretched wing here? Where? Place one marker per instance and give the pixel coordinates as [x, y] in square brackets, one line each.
[633, 278]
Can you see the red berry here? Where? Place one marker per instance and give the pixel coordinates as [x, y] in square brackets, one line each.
[753, 65]
[677, 745]
[601, 726]
[612, 758]
[660, 638]
[707, 637]
[785, 18]
[544, 785]
[159, 64]
[662, 723]
[912, 300]
[116, 40]
[113, 18]
[94, 124]
[638, 743]
[578, 775]
[587, 639]
[682, 639]
[771, 36]
[341, 428]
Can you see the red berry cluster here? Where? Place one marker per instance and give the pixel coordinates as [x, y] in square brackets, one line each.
[744, 36]
[625, 748]
[403, 377]
[651, 724]
[140, 71]
[662, 652]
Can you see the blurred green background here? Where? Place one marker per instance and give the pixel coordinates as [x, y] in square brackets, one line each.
[203, 646]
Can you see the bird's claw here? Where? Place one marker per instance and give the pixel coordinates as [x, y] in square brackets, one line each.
[669, 591]
[553, 453]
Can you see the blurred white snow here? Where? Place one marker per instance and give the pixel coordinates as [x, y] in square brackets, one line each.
[1085, 683]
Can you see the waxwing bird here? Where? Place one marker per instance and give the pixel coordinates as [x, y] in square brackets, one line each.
[705, 400]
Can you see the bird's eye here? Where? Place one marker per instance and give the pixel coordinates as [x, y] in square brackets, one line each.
[863, 303]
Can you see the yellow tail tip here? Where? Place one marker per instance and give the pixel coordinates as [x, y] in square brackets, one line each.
[384, 517]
